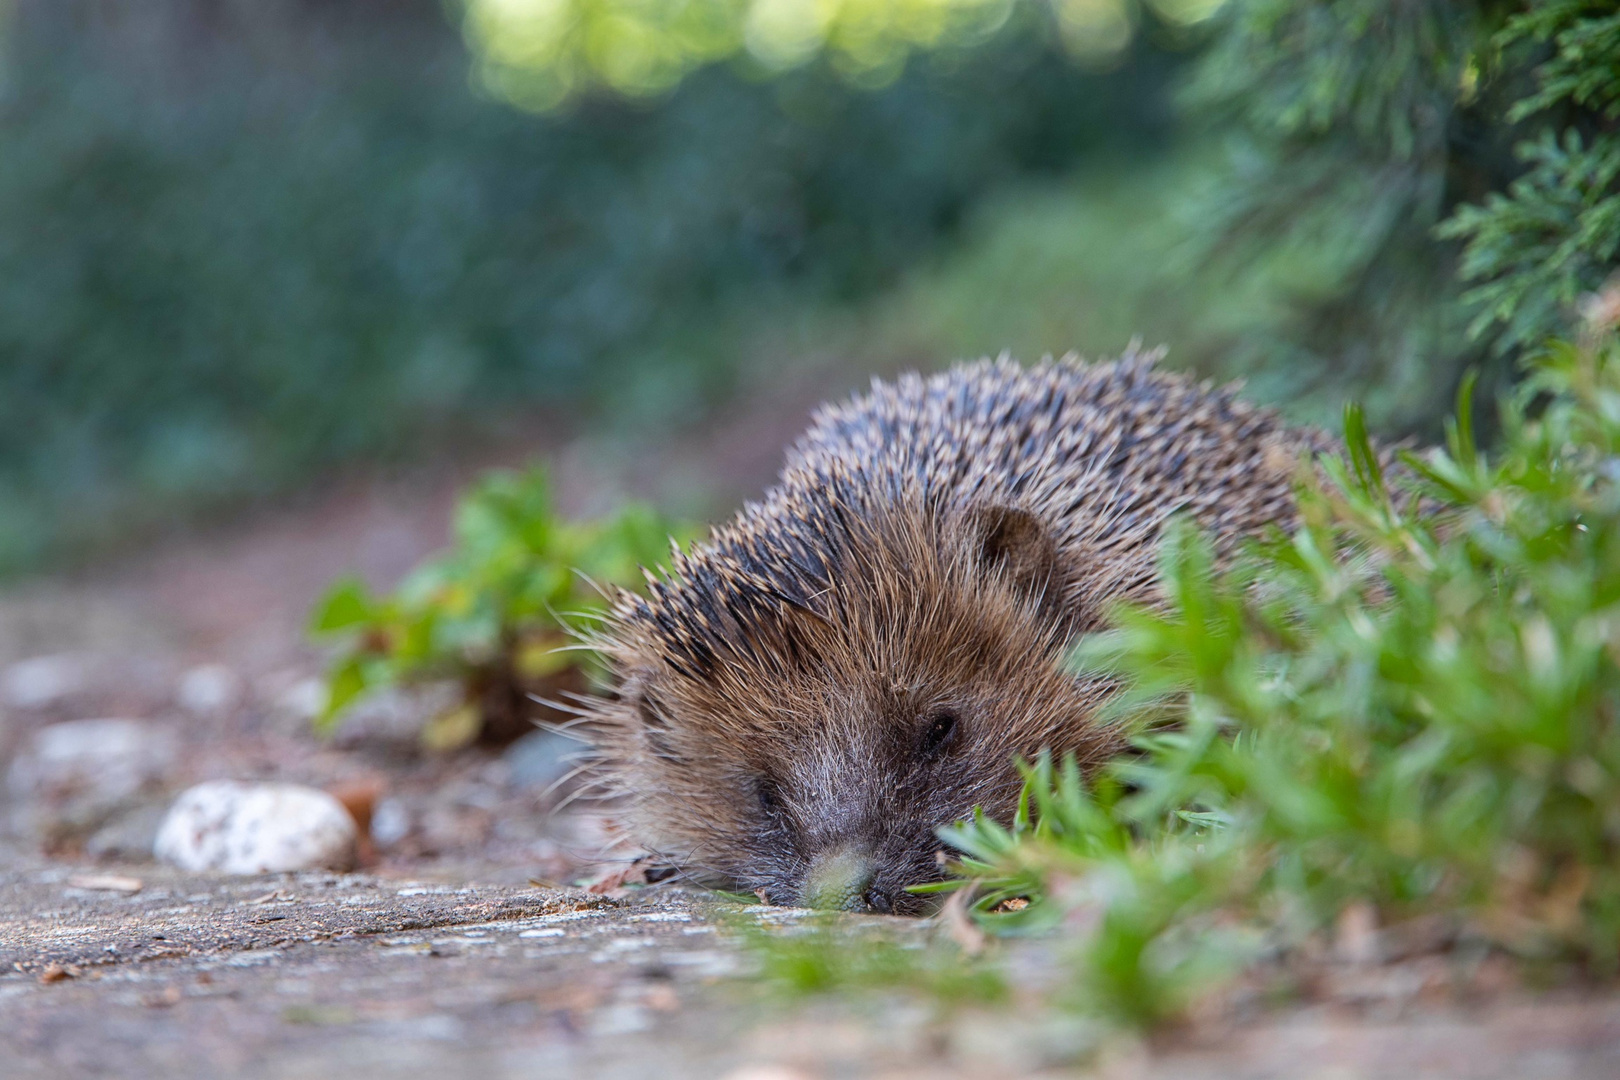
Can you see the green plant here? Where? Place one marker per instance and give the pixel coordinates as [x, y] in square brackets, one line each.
[1410, 706]
[1554, 235]
[1381, 135]
[493, 612]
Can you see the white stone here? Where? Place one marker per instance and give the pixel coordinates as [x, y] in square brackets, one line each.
[71, 778]
[390, 823]
[208, 690]
[241, 828]
[42, 681]
[106, 761]
[303, 700]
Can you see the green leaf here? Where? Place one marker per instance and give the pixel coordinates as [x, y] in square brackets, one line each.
[483, 608]
[346, 682]
[347, 604]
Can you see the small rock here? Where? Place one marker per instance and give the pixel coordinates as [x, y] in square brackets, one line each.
[73, 776]
[390, 823]
[303, 700]
[540, 759]
[114, 756]
[256, 829]
[209, 690]
[42, 681]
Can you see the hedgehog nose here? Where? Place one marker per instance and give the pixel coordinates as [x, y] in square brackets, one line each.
[840, 880]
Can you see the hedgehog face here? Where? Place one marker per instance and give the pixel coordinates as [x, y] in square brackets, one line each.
[815, 760]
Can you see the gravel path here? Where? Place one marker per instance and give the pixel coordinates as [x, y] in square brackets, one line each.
[349, 975]
[142, 972]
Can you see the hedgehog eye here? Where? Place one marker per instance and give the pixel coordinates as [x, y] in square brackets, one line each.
[769, 801]
[941, 726]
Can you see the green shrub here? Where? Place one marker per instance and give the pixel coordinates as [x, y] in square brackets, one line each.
[1383, 135]
[1554, 234]
[1415, 713]
[241, 243]
[494, 612]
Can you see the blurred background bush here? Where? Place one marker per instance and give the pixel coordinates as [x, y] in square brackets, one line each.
[243, 241]
[240, 241]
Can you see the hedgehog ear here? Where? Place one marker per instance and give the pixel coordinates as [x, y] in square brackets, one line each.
[1014, 542]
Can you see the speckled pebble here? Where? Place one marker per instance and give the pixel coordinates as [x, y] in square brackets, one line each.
[242, 828]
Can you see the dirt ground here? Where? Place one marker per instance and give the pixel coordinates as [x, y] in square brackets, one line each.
[329, 975]
[443, 957]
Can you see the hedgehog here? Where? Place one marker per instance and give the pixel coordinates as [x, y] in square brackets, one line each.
[860, 657]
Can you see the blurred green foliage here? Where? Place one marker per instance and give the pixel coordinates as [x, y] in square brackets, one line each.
[238, 243]
[242, 242]
[1554, 235]
[1411, 712]
[542, 53]
[820, 958]
[1395, 148]
[1086, 262]
[1384, 134]
[500, 613]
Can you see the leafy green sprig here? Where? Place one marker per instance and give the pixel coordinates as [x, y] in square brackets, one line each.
[491, 613]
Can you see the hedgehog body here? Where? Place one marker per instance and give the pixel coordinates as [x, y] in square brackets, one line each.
[856, 659]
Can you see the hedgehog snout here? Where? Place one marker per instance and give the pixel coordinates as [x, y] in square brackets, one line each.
[842, 879]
